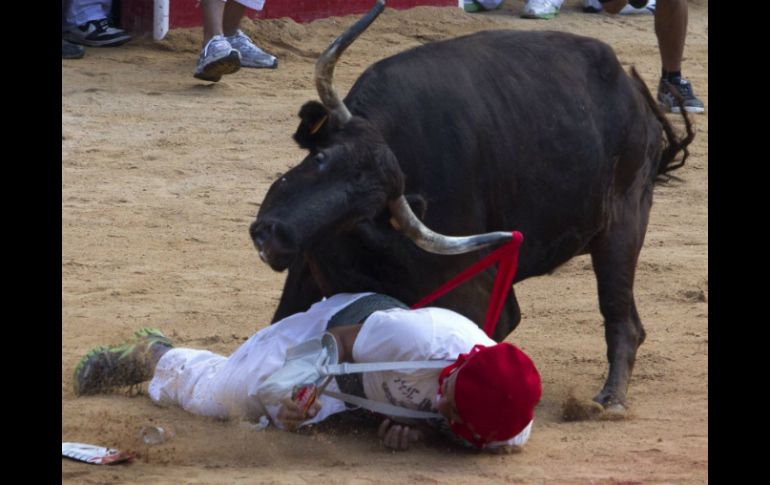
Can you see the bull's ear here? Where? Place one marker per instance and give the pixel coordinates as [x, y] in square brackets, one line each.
[390, 171]
[315, 125]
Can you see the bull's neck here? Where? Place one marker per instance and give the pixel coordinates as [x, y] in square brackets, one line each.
[318, 275]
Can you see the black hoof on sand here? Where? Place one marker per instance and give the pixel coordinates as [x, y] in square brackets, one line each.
[613, 408]
[614, 412]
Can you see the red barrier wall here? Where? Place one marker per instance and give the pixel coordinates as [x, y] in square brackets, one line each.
[136, 15]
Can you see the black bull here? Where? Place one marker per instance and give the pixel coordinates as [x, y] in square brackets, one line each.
[542, 132]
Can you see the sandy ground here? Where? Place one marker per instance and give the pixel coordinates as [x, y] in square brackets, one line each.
[161, 176]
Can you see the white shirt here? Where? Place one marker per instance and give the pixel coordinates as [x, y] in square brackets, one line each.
[426, 334]
[403, 335]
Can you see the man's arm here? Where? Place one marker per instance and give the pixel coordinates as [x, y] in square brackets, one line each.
[292, 415]
[395, 435]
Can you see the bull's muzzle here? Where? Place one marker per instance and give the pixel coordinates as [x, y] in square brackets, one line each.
[274, 244]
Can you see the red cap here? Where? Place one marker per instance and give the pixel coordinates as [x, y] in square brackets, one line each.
[496, 391]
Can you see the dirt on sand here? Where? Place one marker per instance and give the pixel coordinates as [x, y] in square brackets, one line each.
[162, 175]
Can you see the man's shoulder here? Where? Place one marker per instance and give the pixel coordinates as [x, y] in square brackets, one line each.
[338, 299]
[424, 321]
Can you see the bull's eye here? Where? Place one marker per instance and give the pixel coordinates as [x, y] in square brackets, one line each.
[319, 159]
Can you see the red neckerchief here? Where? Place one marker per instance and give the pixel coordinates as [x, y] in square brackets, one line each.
[462, 429]
[506, 257]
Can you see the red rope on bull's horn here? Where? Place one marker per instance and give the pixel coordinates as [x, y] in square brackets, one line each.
[506, 257]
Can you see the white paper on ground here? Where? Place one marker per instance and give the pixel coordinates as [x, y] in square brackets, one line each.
[97, 455]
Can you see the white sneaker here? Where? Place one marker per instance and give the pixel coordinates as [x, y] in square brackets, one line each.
[251, 55]
[541, 9]
[217, 58]
[647, 9]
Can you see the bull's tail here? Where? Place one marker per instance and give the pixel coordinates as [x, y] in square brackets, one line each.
[673, 145]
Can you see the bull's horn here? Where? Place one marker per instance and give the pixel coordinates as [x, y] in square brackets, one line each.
[324, 67]
[405, 221]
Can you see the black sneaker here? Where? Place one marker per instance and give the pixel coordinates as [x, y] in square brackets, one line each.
[668, 101]
[97, 33]
[592, 6]
[71, 51]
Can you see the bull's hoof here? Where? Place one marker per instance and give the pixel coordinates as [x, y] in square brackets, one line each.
[614, 412]
[613, 408]
[609, 400]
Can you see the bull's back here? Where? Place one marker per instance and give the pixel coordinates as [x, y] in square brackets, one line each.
[496, 126]
[491, 77]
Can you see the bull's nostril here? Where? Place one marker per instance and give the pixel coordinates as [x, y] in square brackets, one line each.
[273, 242]
[259, 234]
[263, 234]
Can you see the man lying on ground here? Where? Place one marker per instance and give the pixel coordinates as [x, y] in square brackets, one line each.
[484, 397]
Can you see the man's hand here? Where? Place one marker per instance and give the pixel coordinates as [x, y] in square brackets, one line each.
[291, 415]
[398, 436]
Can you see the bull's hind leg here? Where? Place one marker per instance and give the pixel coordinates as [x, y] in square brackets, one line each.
[614, 254]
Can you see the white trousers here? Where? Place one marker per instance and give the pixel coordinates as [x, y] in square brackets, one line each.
[208, 384]
[78, 12]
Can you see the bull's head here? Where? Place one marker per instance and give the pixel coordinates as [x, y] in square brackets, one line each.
[349, 175]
